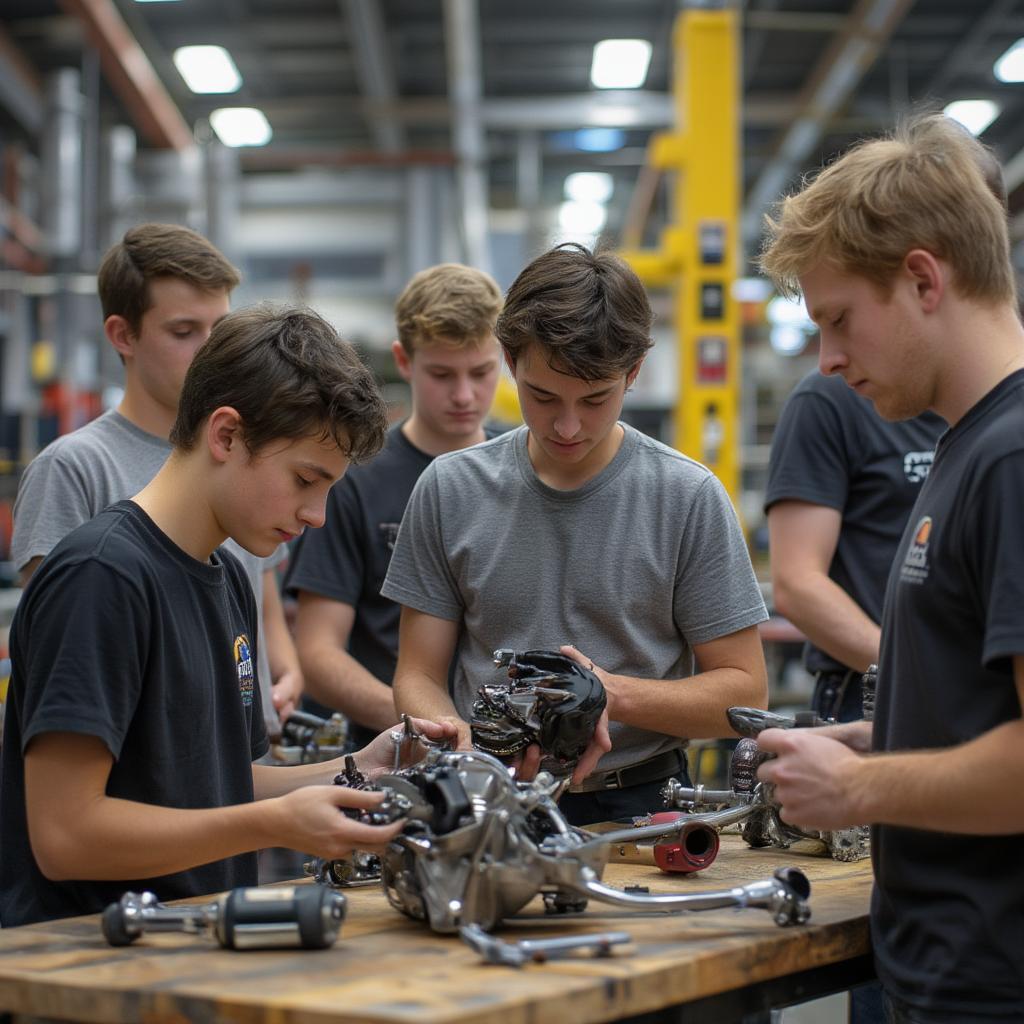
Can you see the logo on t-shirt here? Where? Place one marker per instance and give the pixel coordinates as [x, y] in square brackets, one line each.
[915, 563]
[244, 668]
[916, 466]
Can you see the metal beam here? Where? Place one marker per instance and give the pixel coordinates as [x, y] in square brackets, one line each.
[831, 83]
[20, 90]
[373, 67]
[131, 75]
[462, 47]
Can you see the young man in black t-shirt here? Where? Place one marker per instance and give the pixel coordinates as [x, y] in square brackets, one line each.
[346, 632]
[902, 254]
[841, 484]
[133, 716]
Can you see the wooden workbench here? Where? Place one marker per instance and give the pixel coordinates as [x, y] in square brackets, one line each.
[386, 968]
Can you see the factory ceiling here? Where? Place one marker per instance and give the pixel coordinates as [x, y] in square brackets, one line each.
[391, 83]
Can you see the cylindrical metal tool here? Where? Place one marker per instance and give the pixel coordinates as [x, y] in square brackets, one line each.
[300, 917]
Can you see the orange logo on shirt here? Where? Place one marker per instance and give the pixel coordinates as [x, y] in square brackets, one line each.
[924, 529]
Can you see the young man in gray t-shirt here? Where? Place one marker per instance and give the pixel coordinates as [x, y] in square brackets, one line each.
[577, 529]
[162, 288]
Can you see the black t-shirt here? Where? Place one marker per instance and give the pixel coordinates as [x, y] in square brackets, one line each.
[121, 635]
[948, 911]
[347, 559]
[831, 448]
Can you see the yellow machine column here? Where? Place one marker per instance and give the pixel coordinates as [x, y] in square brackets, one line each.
[700, 248]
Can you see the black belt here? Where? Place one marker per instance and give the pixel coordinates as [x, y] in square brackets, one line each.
[661, 766]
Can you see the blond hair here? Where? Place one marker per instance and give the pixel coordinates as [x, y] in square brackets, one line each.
[929, 185]
[448, 304]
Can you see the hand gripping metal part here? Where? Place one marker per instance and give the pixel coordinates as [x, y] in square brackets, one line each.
[549, 700]
[479, 845]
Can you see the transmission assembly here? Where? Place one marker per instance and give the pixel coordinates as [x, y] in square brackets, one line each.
[479, 845]
[751, 803]
[549, 700]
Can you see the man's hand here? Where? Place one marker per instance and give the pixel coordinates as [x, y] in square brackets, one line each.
[813, 776]
[602, 741]
[313, 820]
[286, 693]
[855, 735]
[378, 756]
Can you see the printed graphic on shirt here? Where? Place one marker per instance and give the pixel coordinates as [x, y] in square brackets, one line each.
[916, 466]
[915, 564]
[389, 531]
[244, 668]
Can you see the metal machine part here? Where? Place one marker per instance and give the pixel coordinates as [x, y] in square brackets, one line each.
[309, 739]
[761, 823]
[549, 700]
[297, 917]
[694, 848]
[515, 954]
[478, 846]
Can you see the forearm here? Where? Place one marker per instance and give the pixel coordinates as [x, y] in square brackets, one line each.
[111, 839]
[829, 618]
[335, 678]
[420, 695]
[692, 707]
[278, 780]
[972, 789]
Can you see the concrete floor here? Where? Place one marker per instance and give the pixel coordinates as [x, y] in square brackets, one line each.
[830, 1010]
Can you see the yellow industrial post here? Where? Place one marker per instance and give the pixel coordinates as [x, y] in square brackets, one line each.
[699, 250]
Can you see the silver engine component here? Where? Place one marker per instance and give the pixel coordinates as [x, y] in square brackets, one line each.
[753, 801]
[478, 846]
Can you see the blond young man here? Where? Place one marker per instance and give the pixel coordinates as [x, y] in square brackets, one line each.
[162, 288]
[346, 632]
[902, 254]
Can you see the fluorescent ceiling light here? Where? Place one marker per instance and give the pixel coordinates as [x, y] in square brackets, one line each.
[584, 218]
[241, 126]
[620, 63]
[1010, 67]
[207, 69]
[599, 140]
[974, 115]
[589, 186]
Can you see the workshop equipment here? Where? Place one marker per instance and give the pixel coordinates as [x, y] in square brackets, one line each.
[277, 917]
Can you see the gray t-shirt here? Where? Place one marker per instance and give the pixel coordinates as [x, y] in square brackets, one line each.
[634, 567]
[83, 472]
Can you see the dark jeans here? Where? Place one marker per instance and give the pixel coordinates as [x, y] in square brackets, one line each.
[838, 695]
[898, 1012]
[618, 804]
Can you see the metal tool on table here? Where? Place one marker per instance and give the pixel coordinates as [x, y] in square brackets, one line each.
[281, 917]
[515, 954]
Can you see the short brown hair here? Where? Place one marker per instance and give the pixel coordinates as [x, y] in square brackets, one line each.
[448, 304]
[928, 185]
[150, 251]
[588, 310]
[288, 375]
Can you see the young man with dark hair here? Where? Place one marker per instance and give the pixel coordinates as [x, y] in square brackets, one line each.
[162, 288]
[133, 718]
[901, 251]
[346, 632]
[577, 529]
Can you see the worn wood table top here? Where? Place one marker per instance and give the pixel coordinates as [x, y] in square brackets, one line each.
[386, 968]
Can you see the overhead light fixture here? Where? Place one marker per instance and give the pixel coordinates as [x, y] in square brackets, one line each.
[241, 126]
[207, 69]
[974, 115]
[582, 217]
[598, 140]
[589, 186]
[1010, 67]
[620, 63]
